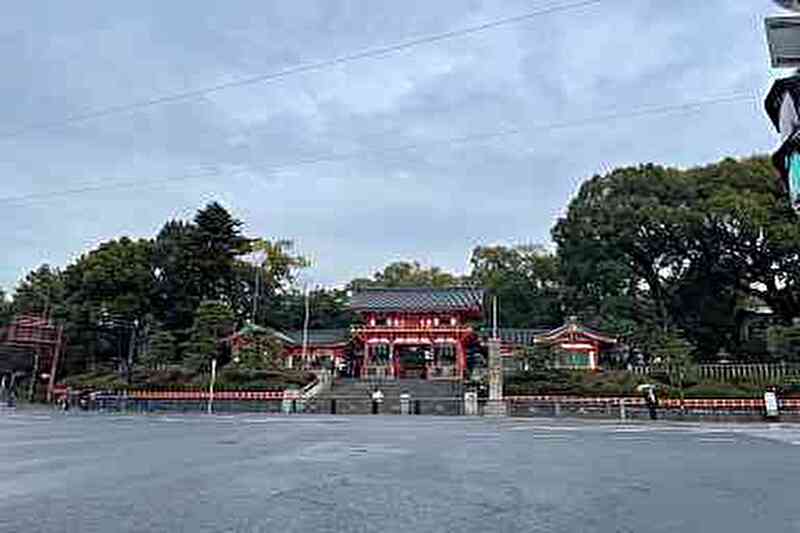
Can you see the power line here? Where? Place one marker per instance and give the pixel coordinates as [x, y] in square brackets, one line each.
[214, 171]
[297, 69]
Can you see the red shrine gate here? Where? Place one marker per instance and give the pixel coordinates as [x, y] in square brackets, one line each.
[415, 332]
[33, 345]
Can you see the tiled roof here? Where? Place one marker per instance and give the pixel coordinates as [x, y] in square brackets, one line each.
[418, 299]
[515, 336]
[318, 337]
[255, 329]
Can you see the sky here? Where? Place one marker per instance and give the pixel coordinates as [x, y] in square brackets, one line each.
[357, 162]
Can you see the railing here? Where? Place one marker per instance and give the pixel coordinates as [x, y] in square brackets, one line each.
[442, 372]
[378, 372]
[753, 373]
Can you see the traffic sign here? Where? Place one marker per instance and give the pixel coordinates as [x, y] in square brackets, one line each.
[783, 37]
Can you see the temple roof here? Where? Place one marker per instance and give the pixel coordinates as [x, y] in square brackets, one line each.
[530, 336]
[418, 299]
[573, 328]
[317, 337]
[516, 336]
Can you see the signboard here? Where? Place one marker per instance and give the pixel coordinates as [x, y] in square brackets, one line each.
[771, 404]
[783, 36]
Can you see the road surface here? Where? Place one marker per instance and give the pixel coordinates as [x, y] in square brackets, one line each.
[104, 472]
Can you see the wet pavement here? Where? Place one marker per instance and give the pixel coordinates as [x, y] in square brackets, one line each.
[104, 472]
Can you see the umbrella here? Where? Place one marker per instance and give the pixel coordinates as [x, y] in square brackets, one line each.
[645, 386]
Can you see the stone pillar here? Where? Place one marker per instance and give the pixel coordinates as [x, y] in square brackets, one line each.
[496, 405]
[405, 403]
[471, 403]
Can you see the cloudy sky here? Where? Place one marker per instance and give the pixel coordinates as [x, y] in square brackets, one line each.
[390, 182]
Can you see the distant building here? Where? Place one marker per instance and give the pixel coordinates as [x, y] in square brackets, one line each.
[430, 333]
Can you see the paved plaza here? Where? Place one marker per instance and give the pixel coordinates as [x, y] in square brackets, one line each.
[80, 472]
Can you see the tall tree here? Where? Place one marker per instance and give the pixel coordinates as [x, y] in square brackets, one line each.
[109, 295]
[40, 291]
[526, 281]
[213, 322]
[178, 290]
[5, 309]
[665, 248]
[216, 243]
[408, 274]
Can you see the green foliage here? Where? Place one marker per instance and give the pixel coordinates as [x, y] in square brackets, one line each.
[525, 279]
[39, 292]
[6, 310]
[652, 248]
[408, 274]
[783, 343]
[235, 378]
[161, 349]
[213, 322]
[260, 352]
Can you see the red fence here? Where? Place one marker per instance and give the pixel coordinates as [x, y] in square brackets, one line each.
[715, 404]
[194, 395]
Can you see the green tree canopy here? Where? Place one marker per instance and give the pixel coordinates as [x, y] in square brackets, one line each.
[408, 274]
[526, 281]
[214, 321]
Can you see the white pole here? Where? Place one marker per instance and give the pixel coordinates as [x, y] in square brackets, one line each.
[305, 327]
[494, 317]
[211, 386]
[255, 293]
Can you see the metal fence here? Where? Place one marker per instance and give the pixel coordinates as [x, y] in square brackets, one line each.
[750, 373]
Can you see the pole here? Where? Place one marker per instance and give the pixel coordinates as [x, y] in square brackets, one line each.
[305, 326]
[255, 294]
[34, 377]
[494, 317]
[211, 386]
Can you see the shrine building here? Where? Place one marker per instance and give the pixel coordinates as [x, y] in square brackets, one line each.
[431, 333]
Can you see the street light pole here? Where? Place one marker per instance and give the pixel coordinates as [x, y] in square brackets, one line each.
[211, 386]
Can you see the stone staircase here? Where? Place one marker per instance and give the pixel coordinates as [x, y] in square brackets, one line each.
[354, 396]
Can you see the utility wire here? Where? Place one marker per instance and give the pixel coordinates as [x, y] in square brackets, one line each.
[297, 69]
[214, 171]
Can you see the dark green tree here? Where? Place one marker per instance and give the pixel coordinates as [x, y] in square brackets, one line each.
[40, 292]
[178, 290]
[526, 281]
[216, 244]
[6, 311]
[214, 321]
[161, 349]
[408, 274]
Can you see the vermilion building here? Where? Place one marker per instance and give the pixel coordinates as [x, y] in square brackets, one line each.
[431, 333]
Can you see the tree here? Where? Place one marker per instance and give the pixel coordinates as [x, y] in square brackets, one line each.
[654, 248]
[408, 274]
[215, 243]
[108, 302]
[39, 292]
[261, 351]
[328, 309]
[266, 274]
[526, 281]
[213, 322]
[5, 309]
[161, 349]
[674, 352]
[177, 279]
[623, 234]
[783, 343]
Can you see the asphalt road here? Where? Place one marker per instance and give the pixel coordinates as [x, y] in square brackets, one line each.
[85, 473]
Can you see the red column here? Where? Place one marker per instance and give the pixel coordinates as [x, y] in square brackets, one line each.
[365, 361]
[461, 358]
